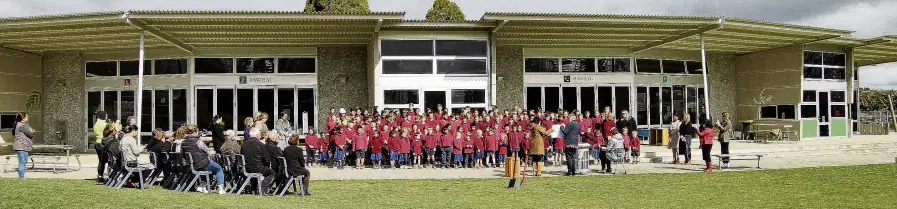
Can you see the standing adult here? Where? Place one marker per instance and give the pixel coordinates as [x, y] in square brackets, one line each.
[571, 140]
[725, 135]
[686, 133]
[673, 142]
[217, 133]
[284, 128]
[248, 122]
[626, 121]
[23, 133]
[99, 128]
[537, 148]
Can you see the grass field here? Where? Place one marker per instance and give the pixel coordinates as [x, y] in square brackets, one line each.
[871, 186]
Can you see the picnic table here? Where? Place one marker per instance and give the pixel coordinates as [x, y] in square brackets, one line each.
[49, 155]
[763, 132]
[744, 156]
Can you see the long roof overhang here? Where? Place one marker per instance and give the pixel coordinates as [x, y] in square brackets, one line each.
[187, 30]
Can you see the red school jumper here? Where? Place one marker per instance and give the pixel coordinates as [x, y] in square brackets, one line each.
[312, 142]
[417, 146]
[404, 145]
[491, 142]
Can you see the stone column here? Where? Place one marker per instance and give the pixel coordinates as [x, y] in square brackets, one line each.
[64, 99]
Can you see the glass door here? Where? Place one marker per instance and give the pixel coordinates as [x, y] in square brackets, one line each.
[265, 103]
[605, 98]
[824, 119]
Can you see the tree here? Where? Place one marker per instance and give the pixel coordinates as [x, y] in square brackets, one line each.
[445, 10]
[337, 6]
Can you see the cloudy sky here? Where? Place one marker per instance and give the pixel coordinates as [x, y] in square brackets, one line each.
[870, 18]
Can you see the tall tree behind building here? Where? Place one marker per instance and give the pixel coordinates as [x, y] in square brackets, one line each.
[445, 10]
[337, 6]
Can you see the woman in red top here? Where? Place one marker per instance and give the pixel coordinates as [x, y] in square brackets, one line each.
[609, 124]
[311, 146]
[707, 135]
[376, 146]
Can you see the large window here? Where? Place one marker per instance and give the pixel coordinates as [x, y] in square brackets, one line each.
[809, 96]
[768, 112]
[450, 56]
[296, 65]
[406, 48]
[465, 48]
[95, 69]
[407, 66]
[808, 111]
[694, 67]
[130, 68]
[468, 96]
[255, 65]
[461, 66]
[824, 65]
[214, 65]
[578, 65]
[641, 101]
[170, 66]
[613, 64]
[8, 121]
[786, 112]
[398, 97]
[673, 67]
[541, 65]
[839, 111]
[647, 66]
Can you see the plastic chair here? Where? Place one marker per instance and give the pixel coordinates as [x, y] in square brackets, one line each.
[112, 170]
[128, 171]
[154, 174]
[247, 177]
[290, 180]
[197, 174]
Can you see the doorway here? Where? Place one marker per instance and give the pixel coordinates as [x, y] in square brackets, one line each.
[235, 103]
[824, 117]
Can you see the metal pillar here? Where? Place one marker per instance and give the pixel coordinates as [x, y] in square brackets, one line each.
[704, 73]
[139, 90]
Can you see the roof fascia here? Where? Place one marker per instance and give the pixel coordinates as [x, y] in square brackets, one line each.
[262, 15]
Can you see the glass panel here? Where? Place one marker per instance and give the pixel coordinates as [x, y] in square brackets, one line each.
[461, 66]
[179, 111]
[130, 68]
[7, 121]
[833, 59]
[655, 103]
[569, 98]
[809, 96]
[693, 67]
[552, 99]
[586, 99]
[533, 98]
[621, 95]
[407, 66]
[808, 111]
[838, 96]
[621, 64]
[255, 65]
[812, 58]
[467, 48]
[214, 65]
[406, 47]
[468, 96]
[813, 72]
[95, 69]
[127, 106]
[641, 101]
[673, 67]
[679, 101]
[853, 110]
[285, 104]
[768, 112]
[702, 108]
[146, 110]
[786, 112]
[204, 102]
[296, 65]
[692, 98]
[94, 100]
[266, 105]
[647, 66]
[432, 99]
[605, 98]
[225, 103]
[823, 107]
[400, 97]
[667, 100]
[578, 65]
[839, 111]
[245, 98]
[306, 104]
[540, 65]
[161, 110]
[110, 104]
[834, 73]
[170, 66]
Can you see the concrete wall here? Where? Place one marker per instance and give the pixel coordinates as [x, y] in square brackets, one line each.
[342, 79]
[64, 98]
[721, 78]
[20, 76]
[509, 73]
[768, 78]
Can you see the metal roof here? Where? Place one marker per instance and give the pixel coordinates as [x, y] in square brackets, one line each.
[188, 30]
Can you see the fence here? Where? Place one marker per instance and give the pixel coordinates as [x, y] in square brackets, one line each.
[875, 123]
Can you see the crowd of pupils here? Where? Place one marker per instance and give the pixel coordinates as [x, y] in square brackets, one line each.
[472, 139]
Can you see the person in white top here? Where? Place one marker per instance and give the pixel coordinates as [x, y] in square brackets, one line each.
[673, 141]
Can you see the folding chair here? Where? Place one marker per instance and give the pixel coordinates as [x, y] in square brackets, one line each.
[112, 170]
[226, 163]
[128, 171]
[247, 177]
[154, 174]
[289, 181]
[196, 174]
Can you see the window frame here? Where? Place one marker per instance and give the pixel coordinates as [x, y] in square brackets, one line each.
[404, 105]
[825, 68]
[277, 64]
[434, 58]
[794, 112]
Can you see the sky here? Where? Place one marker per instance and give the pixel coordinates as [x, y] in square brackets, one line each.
[869, 18]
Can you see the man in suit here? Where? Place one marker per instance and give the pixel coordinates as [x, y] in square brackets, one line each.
[571, 140]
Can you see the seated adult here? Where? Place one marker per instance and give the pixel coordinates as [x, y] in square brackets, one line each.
[131, 150]
[257, 158]
[109, 138]
[200, 153]
[230, 146]
[157, 144]
[274, 151]
[296, 162]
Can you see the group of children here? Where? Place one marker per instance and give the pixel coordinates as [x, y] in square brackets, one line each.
[472, 139]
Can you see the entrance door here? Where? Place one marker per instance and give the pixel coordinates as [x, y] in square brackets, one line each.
[605, 98]
[432, 100]
[824, 119]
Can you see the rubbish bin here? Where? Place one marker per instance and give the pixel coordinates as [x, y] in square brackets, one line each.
[745, 127]
[583, 156]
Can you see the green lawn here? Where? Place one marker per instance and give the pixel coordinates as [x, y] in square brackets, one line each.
[870, 186]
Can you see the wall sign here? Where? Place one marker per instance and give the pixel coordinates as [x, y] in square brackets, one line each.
[248, 80]
[573, 78]
[128, 82]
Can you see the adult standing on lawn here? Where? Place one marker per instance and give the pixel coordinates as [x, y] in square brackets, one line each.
[725, 134]
[537, 148]
[22, 145]
[673, 142]
[99, 128]
[571, 140]
[687, 132]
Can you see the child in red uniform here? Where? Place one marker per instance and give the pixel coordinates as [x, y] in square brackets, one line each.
[376, 144]
[502, 148]
[324, 144]
[417, 148]
[635, 146]
[526, 143]
[469, 144]
[340, 141]
[312, 146]
[558, 150]
[446, 142]
[430, 141]
[627, 144]
[404, 146]
[480, 146]
[513, 141]
[457, 148]
[491, 147]
[392, 143]
[360, 143]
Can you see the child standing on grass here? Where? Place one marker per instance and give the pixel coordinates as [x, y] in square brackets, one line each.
[312, 146]
[502, 149]
[447, 141]
[468, 151]
[635, 146]
[340, 141]
[430, 141]
[324, 155]
[491, 147]
[360, 143]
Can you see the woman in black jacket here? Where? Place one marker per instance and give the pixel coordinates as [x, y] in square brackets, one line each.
[687, 132]
[217, 133]
[200, 153]
[296, 162]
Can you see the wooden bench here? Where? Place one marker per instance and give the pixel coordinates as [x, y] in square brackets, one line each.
[747, 156]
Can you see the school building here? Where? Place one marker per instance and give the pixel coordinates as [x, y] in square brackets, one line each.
[61, 69]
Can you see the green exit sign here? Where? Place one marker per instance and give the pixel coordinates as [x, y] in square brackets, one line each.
[666, 79]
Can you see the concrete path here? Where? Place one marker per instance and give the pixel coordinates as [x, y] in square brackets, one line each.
[861, 150]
